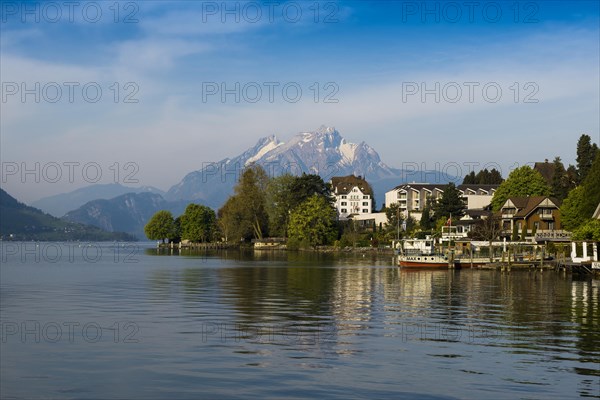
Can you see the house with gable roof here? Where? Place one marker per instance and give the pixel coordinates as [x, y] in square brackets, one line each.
[541, 213]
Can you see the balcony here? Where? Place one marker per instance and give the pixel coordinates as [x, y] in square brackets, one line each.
[547, 234]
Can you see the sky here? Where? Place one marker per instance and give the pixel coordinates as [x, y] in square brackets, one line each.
[144, 92]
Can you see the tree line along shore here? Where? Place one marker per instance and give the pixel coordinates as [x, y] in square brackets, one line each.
[298, 211]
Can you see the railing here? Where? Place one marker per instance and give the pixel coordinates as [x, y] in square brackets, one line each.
[552, 235]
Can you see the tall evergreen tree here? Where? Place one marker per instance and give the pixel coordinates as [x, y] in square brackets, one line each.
[470, 178]
[523, 232]
[450, 203]
[572, 177]
[586, 153]
[495, 177]
[560, 180]
[515, 232]
[483, 177]
[591, 186]
[427, 222]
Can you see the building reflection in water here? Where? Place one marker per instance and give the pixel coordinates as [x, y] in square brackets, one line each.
[327, 306]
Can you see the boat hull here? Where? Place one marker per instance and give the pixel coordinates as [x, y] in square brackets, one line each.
[423, 261]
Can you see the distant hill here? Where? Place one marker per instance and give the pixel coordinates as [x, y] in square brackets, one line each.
[21, 222]
[127, 213]
[60, 204]
[324, 152]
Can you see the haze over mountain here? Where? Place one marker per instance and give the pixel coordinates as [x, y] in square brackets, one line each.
[126, 213]
[58, 205]
[324, 152]
[21, 222]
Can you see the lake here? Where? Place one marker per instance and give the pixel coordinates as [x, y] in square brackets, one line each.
[124, 321]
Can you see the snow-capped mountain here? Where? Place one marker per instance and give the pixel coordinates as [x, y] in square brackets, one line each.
[324, 152]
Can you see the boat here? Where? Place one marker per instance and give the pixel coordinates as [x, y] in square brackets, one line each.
[420, 253]
[423, 261]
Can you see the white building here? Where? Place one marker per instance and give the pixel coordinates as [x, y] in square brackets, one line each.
[353, 196]
[371, 219]
[413, 197]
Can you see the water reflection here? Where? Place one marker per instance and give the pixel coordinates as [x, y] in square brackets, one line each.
[329, 306]
[296, 325]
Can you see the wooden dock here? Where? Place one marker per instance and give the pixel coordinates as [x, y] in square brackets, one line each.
[199, 246]
[578, 268]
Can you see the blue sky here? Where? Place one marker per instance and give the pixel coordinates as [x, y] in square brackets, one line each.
[374, 58]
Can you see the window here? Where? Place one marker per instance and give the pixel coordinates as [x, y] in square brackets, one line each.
[365, 203]
[344, 211]
[536, 224]
[344, 197]
[344, 203]
[365, 210]
[365, 197]
[551, 226]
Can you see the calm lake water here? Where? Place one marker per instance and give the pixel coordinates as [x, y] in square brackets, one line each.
[122, 322]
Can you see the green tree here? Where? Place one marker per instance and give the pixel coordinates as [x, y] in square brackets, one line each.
[470, 179]
[571, 210]
[515, 232]
[495, 177]
[590, 230]
[177, 227]
[280, 201]
[483, 177]
[229, 218]
[522, 182]
[523, 231]
[591, 186]
[572, 177]
[313, 222]
[395, 218]
[451, 203]
[426, 223]
[244, 215]
[307, 185]
[161, 226]
[586, 153]
[560, 180]
[198, 223]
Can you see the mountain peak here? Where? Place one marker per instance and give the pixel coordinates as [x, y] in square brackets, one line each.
[327, 130]
[263, 146]
[324, 152]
